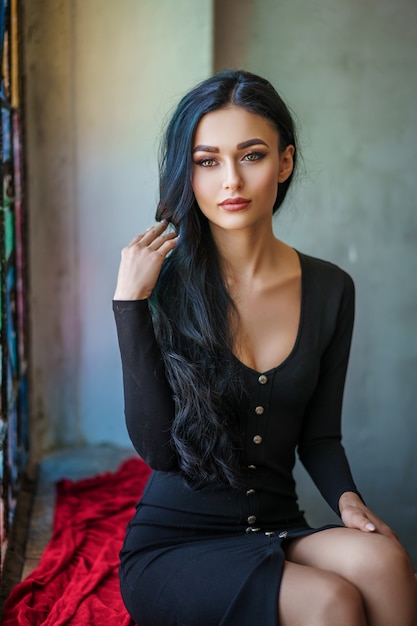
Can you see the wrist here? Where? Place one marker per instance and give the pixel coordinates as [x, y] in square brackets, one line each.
[127, 294]
[349, 498]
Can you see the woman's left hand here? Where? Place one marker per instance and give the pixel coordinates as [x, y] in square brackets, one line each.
[355, 514]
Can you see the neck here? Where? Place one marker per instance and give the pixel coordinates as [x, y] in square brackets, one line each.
[247, 253]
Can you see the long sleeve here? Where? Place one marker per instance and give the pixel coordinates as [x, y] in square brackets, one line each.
[320, 448]
[149, 407]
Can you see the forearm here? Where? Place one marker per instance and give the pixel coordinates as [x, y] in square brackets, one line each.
[149, 407]
[326, 462]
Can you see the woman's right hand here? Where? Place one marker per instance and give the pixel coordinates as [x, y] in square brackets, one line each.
[141, 262]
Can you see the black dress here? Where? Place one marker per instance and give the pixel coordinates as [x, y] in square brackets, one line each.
[213, 555]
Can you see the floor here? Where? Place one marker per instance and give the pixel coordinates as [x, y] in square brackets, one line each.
[35, 511]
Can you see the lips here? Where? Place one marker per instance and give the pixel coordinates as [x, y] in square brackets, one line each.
[235, 204]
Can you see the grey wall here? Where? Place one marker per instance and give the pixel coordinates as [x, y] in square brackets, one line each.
[348, 68]
[101, 77]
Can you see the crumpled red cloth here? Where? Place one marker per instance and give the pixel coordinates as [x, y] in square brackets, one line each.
[76, 582]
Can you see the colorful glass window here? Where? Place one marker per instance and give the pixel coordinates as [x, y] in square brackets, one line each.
[14, 436]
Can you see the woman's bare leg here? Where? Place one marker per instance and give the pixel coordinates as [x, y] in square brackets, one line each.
[376, 565]
[313, 597]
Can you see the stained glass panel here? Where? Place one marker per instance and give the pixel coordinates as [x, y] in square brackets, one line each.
[13, 359]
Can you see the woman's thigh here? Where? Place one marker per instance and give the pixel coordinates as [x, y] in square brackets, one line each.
[313, 597]
[345, 551]
[376, 565]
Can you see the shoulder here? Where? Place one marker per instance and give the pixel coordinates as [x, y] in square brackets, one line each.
[329, 300]
[325, 274]
[328, 289]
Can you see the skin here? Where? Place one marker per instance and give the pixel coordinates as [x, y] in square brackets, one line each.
[354, 576]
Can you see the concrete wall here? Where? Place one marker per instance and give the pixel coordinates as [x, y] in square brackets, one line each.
[53, 224]
[101, 77]
[347, 68]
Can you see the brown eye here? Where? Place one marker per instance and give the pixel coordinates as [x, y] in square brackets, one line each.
[254, 156]
[207, 162]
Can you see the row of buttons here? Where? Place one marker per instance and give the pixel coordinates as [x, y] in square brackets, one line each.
[259, 410]
[257, 439]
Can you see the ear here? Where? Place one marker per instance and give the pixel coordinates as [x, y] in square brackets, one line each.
[286, 163]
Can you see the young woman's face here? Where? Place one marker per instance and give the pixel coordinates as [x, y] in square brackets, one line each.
[237, 167]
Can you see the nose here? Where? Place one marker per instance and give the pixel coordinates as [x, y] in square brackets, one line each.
[232, 177]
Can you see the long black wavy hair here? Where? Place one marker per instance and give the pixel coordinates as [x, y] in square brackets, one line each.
[191, 306]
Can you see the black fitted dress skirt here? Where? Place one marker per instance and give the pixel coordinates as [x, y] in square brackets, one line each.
[201, 562]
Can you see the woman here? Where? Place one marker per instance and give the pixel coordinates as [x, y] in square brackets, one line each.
[234, 350]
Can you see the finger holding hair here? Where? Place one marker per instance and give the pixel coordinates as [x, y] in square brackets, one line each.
[141, 262]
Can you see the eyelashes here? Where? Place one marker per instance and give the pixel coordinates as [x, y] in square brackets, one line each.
[206, 162]
[250, 157]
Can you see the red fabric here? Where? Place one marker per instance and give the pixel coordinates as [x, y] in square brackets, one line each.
[76, 582]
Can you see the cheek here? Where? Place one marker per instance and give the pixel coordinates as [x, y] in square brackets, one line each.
[268, 186]
[201, 186]
[273, 173]
[268, 181]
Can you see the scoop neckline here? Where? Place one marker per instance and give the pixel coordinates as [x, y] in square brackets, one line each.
[299, 330]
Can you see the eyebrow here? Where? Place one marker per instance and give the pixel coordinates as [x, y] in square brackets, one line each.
[241, 146]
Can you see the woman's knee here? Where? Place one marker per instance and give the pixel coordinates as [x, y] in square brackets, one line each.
[341, 604]
[381, 558]
[314, 597]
